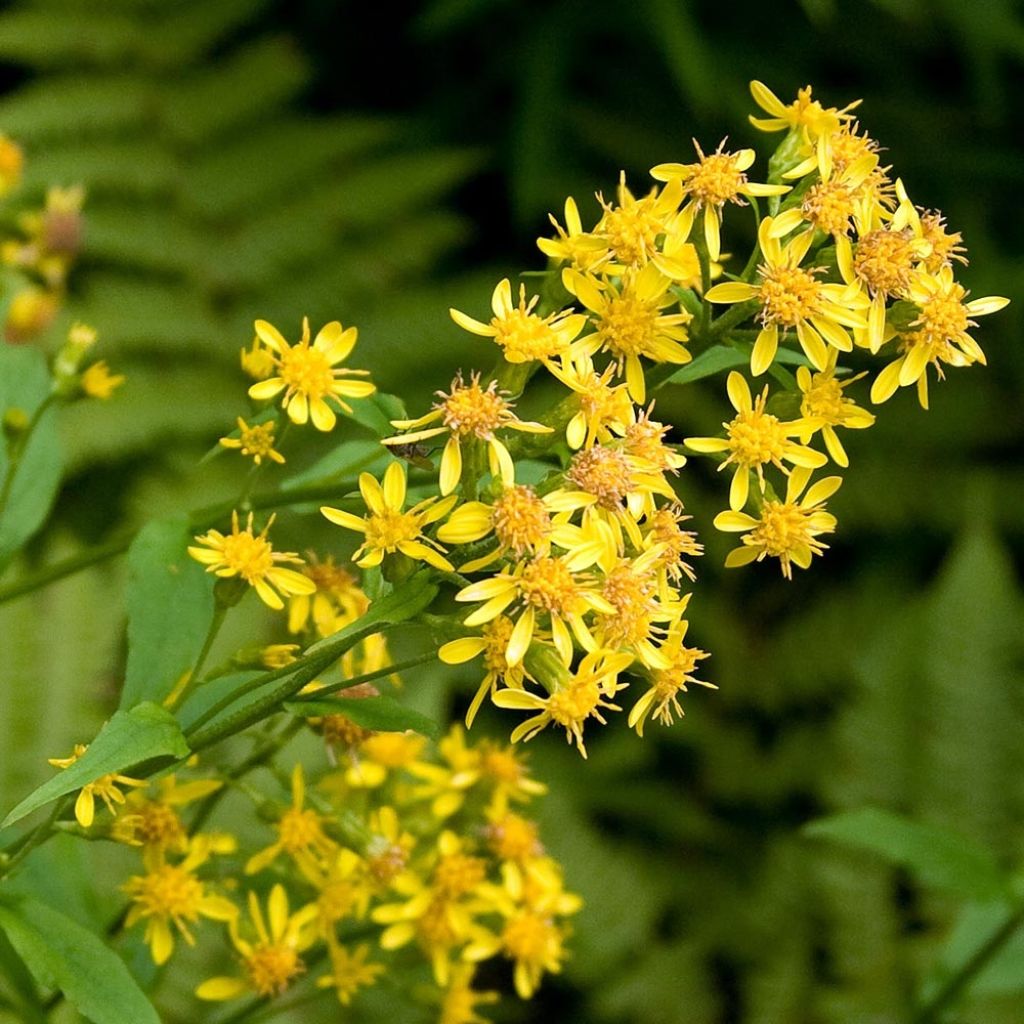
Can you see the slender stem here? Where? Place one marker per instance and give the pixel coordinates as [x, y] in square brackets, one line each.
[26, 844]
[367, 677]
[18, 448]
[177, 697]
[954, 986]
[705, 281]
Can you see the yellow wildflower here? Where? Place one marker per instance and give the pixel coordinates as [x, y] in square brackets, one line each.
[273, 959]
[337, 601]
[786, 530]
[350, 971]
[824, 407]
[98, 382]
[755, 438]
[309, 374]
[467, 412]
[522, 334]
[460, 1000]
[251, 557]
[389, 530]
[257, 360]
[154, 822]
[255, 442]
[105, 787]
[171, 894]
[580, 248]
[709, 184]
[605, 408]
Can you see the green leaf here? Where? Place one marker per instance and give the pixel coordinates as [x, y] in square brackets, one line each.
[728, 357]
[936, 857]
[61, 954]
[340, 463]
[377, 411]
[128, 739]
[382, 714]
[24, 386]
[170, 606]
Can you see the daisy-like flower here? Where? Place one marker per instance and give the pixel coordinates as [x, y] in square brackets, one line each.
[580, 697]
[468, 411]
[663, 531]
[661, 700]
[255, 442]
[938, 335]
[520, 520]
[351, 971]
[552, 591]
[791, 297]
[300, 835]
[805, 114]
[630, 323]
[708, 185]
[257, 361]
[272, 958]
[172, 894]
[250, 557]
[309, 375]
[787, 530]
[388, 529]
[522, 334]
[460, 1000]
[106, 787]
[824, 407]
[154, 823]
[338, 599]
[503, 770]
[99, 382]
[605, 408]
[492, 644]
[581, 249]
[754, 439]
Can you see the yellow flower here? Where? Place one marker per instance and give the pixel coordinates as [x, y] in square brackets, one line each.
[273, 960]
[824, 407]
[460, 1000]
[630, 323]
[309, 374]
[580, 248]
[786, 530]
[792, 297]
[663, 532]
[521, 521]
[492, 644]
[154, 823]
[350, 971]
[605, 408]
[257, 361]
[522, 334]
[300, 835]
[255, 442]
[12, 160]
[172, 894]
[105, 787]
[382, 753]
[711, 183]
[389, 530]
[755, 438]
[469, 412]
[938, 335]
[503, 769]
[446, 785]
[250, 557]
[545, 588]
[578, 698]
[29, 313]
[662, 697]
[337, 601]
[99, 382]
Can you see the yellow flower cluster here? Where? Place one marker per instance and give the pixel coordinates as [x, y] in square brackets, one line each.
[401, 844]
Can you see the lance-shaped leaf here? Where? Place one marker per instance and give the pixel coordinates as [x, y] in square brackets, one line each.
[144, 733]
[934, 855]
[720, 358]
[63, 955]
[382, 714]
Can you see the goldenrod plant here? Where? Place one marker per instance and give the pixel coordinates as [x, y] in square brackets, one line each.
[373, 848]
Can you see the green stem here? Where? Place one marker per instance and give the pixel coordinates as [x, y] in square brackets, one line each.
[18, 448]
[705, 281]
[950, 992]
[367, 677]
[177, 698]
[27, 843]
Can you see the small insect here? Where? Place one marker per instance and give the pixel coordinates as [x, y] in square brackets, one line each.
[415, 454]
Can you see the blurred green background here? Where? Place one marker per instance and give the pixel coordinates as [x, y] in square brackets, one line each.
[379, 163]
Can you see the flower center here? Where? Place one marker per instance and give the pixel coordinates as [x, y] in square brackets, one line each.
[388, 529]
[529, 937]
[788, 295]
[513, 838]
[574, 703]
[521, 520]
[341, 731]
[604, 473]
[755, 437]
[337, 899]
[645, 440]
[158, 824]
[472, 410]
[169, 891]
[628, 325]
[943, 318]
[631, 595]
[385, 859]
[458, 874]
[497, 634]
[783, 529]
[945, 245]
[631, 231]
[248, 556]
[300, 830]
[884, 260]
[258, 439]
[547, 583]
[502, 766]
[305, 369]
[716, 179]
[824, 400]
[829, 206]
[525, 336]
[272, 967]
